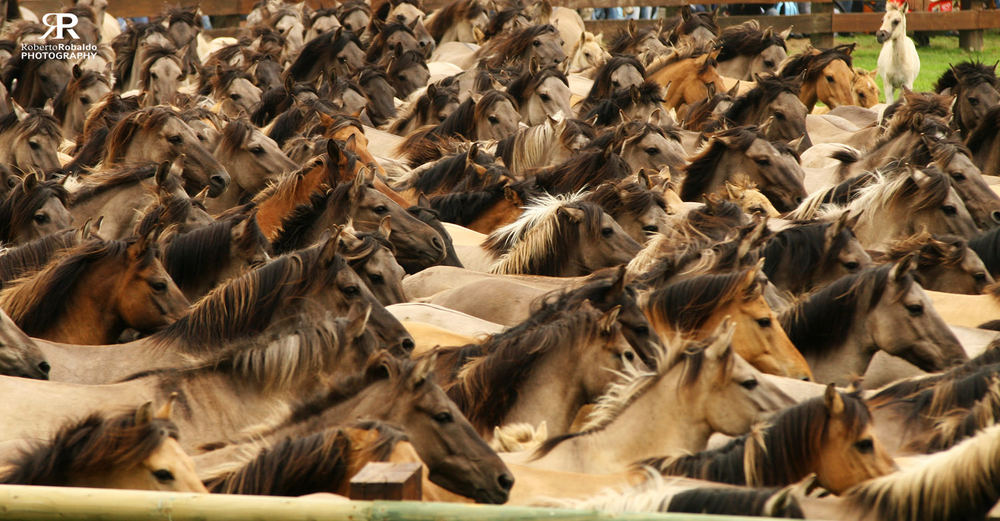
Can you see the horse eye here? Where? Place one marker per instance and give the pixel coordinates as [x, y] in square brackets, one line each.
[750, 384]
[768, 63]
[352, 291]
[158, 286]
[493, 120]
[915, 309]
[444, 417]
[652, 151]
[586, 55]
[629, 355]
[342, 59]
[866, 446]
[779, 116]
[895, 23]
[163, 475]
[958, 176]
[852, 265]
[973, 102]
[85, 100]
[154, 76]
[536, 43]
[949, 209]
[375, 278]
[762, 161]
[41, 218]
[177, 140]
[235, 97]
[381, 209]
[607, 232]
[979, 276]
[829, 79]
[861, 95]
[641, 330]
[544, 97]
[257, 150]
[34, 145]
[764, 322]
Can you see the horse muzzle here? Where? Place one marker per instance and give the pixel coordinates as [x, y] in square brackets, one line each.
[218, 183]
[881, 36]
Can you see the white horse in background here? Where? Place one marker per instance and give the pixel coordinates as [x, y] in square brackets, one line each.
[898, 61]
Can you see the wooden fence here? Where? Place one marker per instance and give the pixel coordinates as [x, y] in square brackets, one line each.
[969, 21]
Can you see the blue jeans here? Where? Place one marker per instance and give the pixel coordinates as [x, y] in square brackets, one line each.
[608, 13]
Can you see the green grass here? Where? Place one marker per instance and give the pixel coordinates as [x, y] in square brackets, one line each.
[934, 59]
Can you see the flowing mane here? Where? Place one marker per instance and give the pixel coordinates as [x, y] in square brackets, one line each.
[19, 206]
[686, 305]
[506, 48]
[803, 248]
[585, 169]
[26, 258]
[91, 445]
[700, 172]
[747, 39]
[810, 63]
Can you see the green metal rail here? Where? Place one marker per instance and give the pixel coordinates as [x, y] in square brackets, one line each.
[27, 503]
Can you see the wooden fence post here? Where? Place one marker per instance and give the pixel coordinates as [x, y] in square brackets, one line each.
[380, 480]
[823, 40]
[970, 40]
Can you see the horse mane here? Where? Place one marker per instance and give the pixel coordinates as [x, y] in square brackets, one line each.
[623, 40]
[736, 501]
[803, 247]
[587, 168]
[486, 387]
[968, 73]
[154, 53]
[250, 302]
[913, 110]
[450, 173]
[170, 208]
[986, 132]
[444, 92]
[406, 60]
[540, 242]
[823, 320]
[234, 134]
[898, 185]
[608, 111]
[686, 305]
[602, 86]
[26, 258]
[696, 20]
[126, 45]
[217, 80]
[424, 145]
[296, 226]
[747, 39]
[450, 14]
[320, 462]
[184, 258]
[464, 207]
[777, 455]
[36, 122]
[679, 54]
[91, 445]
[188, 15]
[376, 47]
[700, 172]
[317, 52]
[87, 79]
[810, 65]
[18, 207]
[39, 299]
[506, 48]
[932, 250]
[105, 180]
[957, 484]
[987, 247]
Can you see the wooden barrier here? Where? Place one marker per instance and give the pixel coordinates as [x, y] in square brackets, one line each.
[970, 21]
[27, 503]
[384, 480]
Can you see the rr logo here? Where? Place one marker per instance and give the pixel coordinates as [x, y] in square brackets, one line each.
[58, 22]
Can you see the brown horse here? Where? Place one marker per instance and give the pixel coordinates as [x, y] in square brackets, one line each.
[19, 354]
[747, 50]
[827, 75]
[541, 44]
[135, 450]
[483, 210]
[29, 140]
[773, 104]
[639, 210]
[693, 308]
[372, 256]
[94, 292]
[158, 134]
[803, 258]
[831, 436]
[943, 263]
[81, 93]
[253, 158]
[685, 74]
[976, 89]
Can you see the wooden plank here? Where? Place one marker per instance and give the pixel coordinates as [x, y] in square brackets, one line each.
[953, 21]
[383, 480]
[822, 38]
[804, 23]
[579, 4]
[135, 8]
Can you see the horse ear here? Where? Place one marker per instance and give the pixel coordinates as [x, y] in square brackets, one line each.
[431, 90]
[786, 33]
[732, 191]
[715, 14]
[425, 365]
[655, 118]
[30, 181]
[834, 230]
[902, 267]
[162, 173]
[423, 201]
[385, 226]
[144, 414]
[471, 155]
[618, 286]
[720, 342]
[833, 401]
[357, 320]
[201, 196]
[511, 195]
[168, 408]
[19, 110]
[331, 247]
[380, 366]
[334, 151]
[609, 319]
[573, 214]
[478, 34]
[685, 13]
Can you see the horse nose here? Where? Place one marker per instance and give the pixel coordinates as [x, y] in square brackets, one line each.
[44, 367]
[219, 182]
[408, 345]
[438, 244]
[995, 214]
[505, 481]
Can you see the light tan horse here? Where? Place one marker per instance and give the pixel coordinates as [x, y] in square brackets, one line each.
[865, 88]
[697, 389]
[135, 450]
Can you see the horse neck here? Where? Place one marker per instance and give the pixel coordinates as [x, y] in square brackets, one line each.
[850, 357]
[275, 208]
[656, 423]
[103, 364]
[808, 95]
[500, 214]
[89, 316]
[118, 205]
[540, 397]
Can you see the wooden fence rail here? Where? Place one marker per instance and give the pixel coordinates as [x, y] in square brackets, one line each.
[821, 25]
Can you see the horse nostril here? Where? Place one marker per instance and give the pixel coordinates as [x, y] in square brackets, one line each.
[995, 214]
[505, 481]
[798, 200]
[437, 243]
[219, 180]
[44, 367]
[408, 344]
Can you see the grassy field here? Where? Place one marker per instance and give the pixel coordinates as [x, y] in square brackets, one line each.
[934, 59]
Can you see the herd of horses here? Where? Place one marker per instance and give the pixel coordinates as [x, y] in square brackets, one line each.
[671, 269]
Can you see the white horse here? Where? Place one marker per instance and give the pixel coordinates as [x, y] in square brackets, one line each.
[898, 62]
